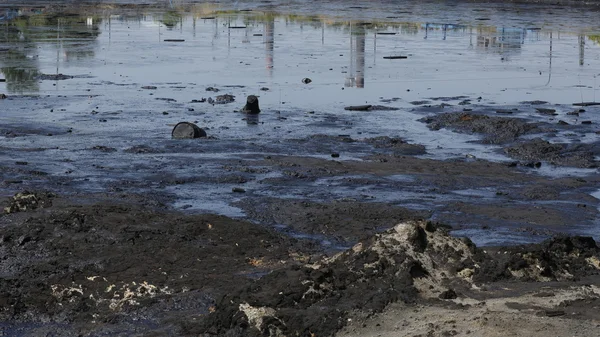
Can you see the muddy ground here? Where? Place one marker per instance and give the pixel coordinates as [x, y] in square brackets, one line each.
[321, 229]
[129, 264]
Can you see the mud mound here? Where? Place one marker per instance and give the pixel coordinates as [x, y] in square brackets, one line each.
[115, 264]
[574, 155]
[415, 260]
[316, 300]
[400, 146]
[496, 130]
[558, 259]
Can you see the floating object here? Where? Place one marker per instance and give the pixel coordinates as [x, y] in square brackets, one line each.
[174, 40]
[237, 27]
[358, 107]
[395, 57]
[385, 33]
[306, 80]
[586, 103]
[187, 130]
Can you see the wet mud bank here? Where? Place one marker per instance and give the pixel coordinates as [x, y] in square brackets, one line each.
[104, 268]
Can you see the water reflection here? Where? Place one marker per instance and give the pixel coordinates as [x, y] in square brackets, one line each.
[269, 39]
[71, 39]
[72, 36]
[356, 74]
[505, 41]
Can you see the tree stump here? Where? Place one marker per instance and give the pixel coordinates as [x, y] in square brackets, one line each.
[186, 130]
[251, 106]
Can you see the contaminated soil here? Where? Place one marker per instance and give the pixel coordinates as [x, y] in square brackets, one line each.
[319, 233]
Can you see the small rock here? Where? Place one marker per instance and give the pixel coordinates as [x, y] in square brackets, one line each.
[561, 122]
[306, 80]
[554, 313]
[3, 96]
[448, 295]
[335, 155]
[586, 122]
[264, 89]
[546, 111]
[150, 87]
[213, 89]
[238, 190]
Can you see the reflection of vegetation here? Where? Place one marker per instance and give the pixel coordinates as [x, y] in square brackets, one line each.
[595, 38]
[20, 72]
[73, 34]
[171, 19]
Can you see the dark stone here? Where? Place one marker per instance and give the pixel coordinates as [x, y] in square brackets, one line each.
[251, 106]
[186, 130]
[554, 313]
[238, 190]
[545, 111]
[306, 80]
[448, 295]
[335, 155]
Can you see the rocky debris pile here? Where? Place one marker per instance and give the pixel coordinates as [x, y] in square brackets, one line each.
[496, 130]
[557, 259]
[26, 201]
[574, 155]
[415, 260]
